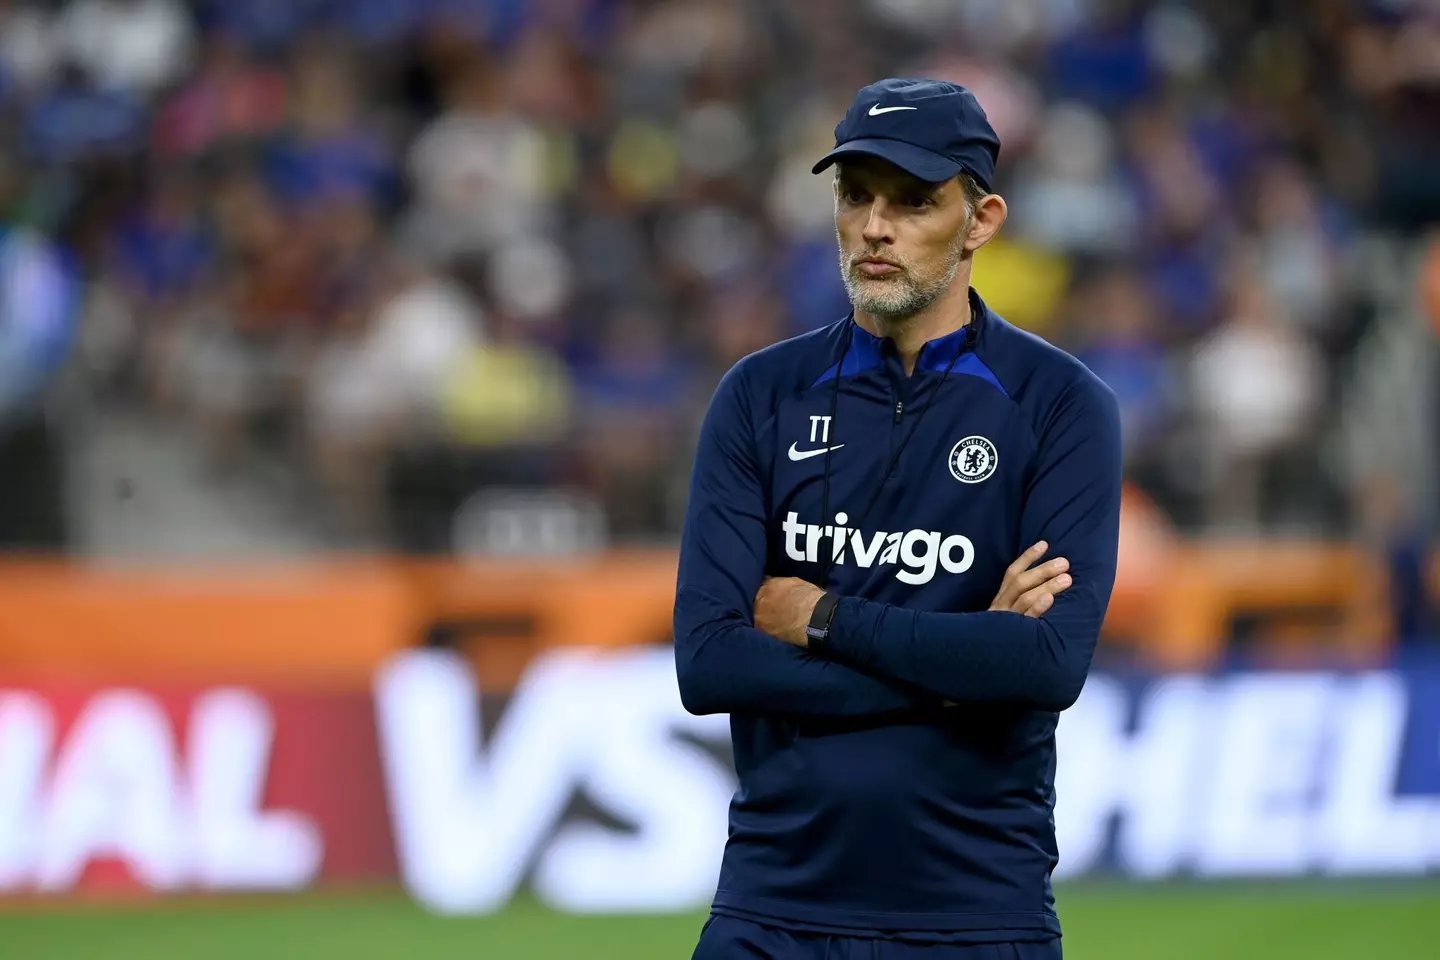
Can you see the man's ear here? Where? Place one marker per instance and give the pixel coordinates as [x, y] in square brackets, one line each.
[989, 216]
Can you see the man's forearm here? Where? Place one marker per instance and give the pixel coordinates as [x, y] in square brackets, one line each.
[969, 657]
[724, 665]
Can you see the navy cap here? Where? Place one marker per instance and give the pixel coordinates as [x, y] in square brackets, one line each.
[929, 128]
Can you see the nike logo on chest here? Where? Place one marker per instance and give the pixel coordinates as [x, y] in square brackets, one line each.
[796, 454]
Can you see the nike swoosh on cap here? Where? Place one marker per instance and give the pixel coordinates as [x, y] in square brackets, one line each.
[807, 454]
[876, 110]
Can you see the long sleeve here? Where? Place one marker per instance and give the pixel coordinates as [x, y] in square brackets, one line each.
[723, 663]
[1073, 503]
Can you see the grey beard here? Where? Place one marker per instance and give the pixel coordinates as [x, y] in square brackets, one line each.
[904, 297]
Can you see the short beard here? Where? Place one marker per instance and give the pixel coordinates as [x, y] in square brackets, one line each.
[903, 295]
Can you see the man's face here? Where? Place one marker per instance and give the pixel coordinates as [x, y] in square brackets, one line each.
[901, 239]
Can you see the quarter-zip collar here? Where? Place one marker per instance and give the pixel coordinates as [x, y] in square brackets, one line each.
[935, 354]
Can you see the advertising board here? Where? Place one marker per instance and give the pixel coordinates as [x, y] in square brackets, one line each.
[589, 784]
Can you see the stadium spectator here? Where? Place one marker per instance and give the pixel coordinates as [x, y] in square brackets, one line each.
[40, 288]
[599, 204]
[1257, 387]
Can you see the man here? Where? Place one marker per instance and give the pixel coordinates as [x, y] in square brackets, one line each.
[849, 589]
[40, 288]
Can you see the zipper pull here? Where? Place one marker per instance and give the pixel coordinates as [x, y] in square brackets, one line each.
[899, 409]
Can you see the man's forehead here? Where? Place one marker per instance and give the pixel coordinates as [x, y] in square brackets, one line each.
[876, 170]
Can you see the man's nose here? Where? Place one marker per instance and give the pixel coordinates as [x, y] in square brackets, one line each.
[878, 228]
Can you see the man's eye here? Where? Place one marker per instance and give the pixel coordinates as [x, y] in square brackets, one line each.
[917, 202]
[855, 196]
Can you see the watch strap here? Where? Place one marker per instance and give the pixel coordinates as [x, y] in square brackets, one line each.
[817, 631]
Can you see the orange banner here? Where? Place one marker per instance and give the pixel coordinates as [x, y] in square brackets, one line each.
[330, 624]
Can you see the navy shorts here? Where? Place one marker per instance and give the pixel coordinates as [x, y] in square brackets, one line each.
[730, 938]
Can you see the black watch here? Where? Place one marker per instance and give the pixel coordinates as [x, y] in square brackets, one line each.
[817, 631]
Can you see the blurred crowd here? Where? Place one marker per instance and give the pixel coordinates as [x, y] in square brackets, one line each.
[412, 250]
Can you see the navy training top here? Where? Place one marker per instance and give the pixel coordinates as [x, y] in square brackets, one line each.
[902, 785]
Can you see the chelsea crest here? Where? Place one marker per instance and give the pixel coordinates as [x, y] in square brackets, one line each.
[973, 459]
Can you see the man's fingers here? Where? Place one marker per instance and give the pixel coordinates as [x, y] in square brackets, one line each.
[1044, 593]
[1045, 601]
[1047, 571]
[1011, 585]
[1025, 585]
[1049, 588]
[1023, 562]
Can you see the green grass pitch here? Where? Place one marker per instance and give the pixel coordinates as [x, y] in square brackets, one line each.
[1102, 922]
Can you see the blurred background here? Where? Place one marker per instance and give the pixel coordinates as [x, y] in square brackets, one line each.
[351, 358]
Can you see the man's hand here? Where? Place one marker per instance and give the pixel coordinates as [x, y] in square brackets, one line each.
[1032, 590]
[783, 607]
[784, 604]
